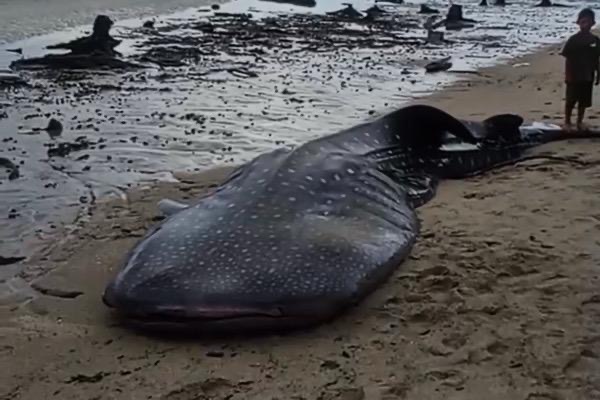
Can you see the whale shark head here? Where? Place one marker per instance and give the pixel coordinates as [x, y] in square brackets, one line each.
[291, 240]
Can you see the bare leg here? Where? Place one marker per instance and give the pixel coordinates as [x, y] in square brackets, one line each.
[580, 115]
[569, 105]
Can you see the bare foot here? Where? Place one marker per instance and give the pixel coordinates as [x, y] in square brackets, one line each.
[581, 127]
[568, 127]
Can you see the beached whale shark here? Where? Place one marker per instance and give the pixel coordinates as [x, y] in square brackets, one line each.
[294, 237]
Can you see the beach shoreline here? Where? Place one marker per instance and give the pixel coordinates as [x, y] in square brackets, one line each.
[503, 261]
[23, 19]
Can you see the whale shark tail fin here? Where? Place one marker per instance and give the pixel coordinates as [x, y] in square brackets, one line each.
[417, 129]
[424, 126]
[502, 128]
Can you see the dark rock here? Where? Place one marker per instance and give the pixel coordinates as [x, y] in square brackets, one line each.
[12, 167]
[54, 128]
[439, 65]
[99, 41]
[56, 292]
[301, 3]
[425, 9]
[349, 12]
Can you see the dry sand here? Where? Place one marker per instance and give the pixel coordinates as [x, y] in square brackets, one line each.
[498, 301]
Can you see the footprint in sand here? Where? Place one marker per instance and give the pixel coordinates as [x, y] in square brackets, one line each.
[448, 377]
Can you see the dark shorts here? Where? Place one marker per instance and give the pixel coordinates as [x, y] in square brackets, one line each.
[580, 93]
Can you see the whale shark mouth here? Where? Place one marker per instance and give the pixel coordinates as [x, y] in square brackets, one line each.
[183, 314]
[187, 312]
[219, 320]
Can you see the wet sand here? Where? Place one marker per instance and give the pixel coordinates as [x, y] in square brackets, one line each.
[498, 300]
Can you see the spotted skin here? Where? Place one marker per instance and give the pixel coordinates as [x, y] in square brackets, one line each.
[314, 227]
[294, 237]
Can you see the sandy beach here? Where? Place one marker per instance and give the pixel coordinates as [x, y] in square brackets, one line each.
[498, 300]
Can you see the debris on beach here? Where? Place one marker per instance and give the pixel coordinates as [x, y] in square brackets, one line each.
[148, 24]
[348, 12]
[65, 148]
[9, 79]
[435, 37]
[95, 50]
[549, 3]
[301, 3]
[10, 260]
[55, 291]
[100, 41]
[12, 168]
[59, 61]
[375, 10]
[443, 64]
[425, 9]
[54, 128]
[454, 19]
[240, 35]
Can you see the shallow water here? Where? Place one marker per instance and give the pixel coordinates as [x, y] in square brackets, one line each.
[21, 19]
[147, 124]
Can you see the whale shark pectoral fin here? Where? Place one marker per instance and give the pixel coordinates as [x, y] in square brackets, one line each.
[169, 207]
[420, 187]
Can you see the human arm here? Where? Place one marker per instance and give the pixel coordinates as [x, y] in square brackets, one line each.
[568, 48]
[597, 62]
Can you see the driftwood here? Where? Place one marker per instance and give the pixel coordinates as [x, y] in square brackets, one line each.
[301, 3]
[99, 41]
[425, 9]
[439, 65]
[548, 3]
[96, 51]
[348, 12]
[11, 167]
[454, 19]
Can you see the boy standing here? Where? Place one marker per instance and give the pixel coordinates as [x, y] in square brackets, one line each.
[582, 69]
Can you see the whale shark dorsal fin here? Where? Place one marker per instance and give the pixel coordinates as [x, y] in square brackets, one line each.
[169, 207]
